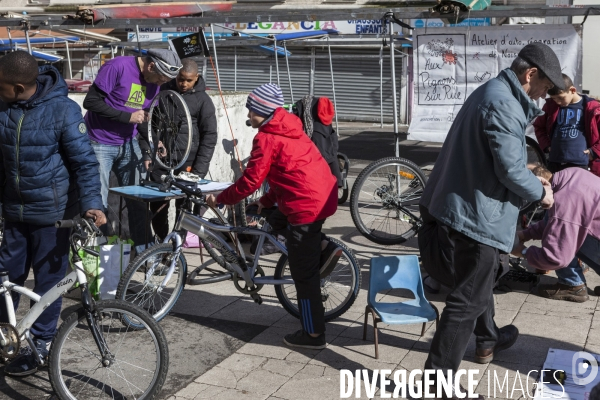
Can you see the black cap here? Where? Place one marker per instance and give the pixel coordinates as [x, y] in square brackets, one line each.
[543, 57]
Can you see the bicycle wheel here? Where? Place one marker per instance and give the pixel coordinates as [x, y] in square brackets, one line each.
[534, 152]
[140, 283]
[344, 167]
[338, 290]
[170, 125]
[137, 364]
[535, 155]
[384, 203]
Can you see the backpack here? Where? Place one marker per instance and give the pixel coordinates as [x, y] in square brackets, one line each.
[316, 114]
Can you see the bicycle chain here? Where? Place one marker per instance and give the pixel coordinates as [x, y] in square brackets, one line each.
[11, 349]
[238, 281]
[271, 296]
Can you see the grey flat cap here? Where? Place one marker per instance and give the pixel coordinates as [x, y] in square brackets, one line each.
[167, 62]
[544, 58]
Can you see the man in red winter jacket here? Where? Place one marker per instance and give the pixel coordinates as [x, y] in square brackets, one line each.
[305, 191]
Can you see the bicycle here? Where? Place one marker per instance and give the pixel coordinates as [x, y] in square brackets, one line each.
[535, 155]
[528, 212]
[156, 278]
[384, 202]
[93, 355]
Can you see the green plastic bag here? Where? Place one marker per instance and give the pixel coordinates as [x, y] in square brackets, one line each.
[103, 272]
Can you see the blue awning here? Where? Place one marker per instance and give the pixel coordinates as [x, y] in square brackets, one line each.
[298, 35]
[39, 40]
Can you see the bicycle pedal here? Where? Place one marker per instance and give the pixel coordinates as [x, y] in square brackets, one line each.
[257, 298]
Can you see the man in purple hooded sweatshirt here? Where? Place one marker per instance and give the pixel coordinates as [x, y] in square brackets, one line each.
[571, 231]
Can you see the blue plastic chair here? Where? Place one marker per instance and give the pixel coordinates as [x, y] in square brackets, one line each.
[397, 272]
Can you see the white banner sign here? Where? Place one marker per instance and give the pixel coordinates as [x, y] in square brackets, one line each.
[450, 63]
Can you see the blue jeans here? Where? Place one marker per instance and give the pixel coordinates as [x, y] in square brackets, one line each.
[126, 162]
[45, 249]
[572, 274]
[589, 253]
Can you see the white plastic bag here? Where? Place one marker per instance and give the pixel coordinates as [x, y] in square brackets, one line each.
[114, 259]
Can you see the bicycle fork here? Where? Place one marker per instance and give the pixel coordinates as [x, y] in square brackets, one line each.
[176, 237]
[91, 312]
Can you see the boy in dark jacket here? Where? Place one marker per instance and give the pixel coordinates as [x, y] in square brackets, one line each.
[48, 172]
[302, 186]
[569, 129]
[204, 136]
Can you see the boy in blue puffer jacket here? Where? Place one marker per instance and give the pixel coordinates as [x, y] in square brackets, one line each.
[48, 172]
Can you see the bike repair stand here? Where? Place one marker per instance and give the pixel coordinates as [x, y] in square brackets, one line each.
[162, 186]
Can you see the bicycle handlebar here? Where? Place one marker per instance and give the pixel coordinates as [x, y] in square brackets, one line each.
[65, 223]
[84, 224]
[190, 192]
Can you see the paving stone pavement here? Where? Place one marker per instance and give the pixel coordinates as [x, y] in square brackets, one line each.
[264, 368]
[227, 347]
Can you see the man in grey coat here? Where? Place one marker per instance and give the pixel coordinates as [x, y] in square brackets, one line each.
[471, 202]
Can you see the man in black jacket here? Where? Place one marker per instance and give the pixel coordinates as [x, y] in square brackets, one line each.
[191, 86]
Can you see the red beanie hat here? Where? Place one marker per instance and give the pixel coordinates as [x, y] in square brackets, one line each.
[325, 110]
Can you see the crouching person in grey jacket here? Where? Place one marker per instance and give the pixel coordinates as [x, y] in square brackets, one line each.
[48, 172]
[468, 222]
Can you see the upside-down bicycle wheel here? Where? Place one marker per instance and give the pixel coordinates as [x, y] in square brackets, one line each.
[169, 130]
[535, 155]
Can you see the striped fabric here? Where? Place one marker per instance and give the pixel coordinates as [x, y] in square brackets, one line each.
[306, 315]
[265, 99]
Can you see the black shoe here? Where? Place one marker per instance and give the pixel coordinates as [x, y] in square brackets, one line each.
[329, 258]
[506, 338]
[305, 341]
[25, 363]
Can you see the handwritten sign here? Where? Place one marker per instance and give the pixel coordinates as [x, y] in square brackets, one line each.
[441, 70]
[450, 63]
[190, 45]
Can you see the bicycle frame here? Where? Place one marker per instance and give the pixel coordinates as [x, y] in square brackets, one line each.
[62, 287]
[187, 221]
[41, 302]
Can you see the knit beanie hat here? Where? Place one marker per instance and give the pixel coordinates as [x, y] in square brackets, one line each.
[265, 99]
